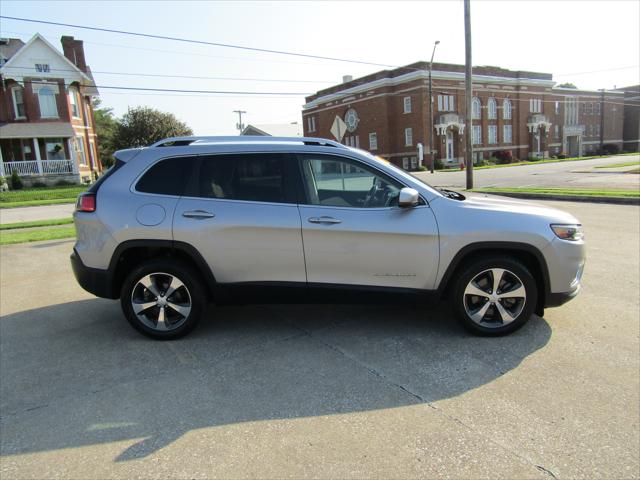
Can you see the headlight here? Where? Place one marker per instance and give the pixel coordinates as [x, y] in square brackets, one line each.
[568, 232]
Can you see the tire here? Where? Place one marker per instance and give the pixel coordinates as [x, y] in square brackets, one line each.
[163, 299]
[483, 312]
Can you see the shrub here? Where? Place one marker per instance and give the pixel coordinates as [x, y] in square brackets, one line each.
[503, 156]
[39, 184]
[610, 149]
[16, 181]
[562, 155]
[437, 164]
[3, 184]
[422, 168]
[61, 183]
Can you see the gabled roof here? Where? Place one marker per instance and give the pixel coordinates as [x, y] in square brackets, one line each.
[9, 47]
[53, 49]
[274, 129]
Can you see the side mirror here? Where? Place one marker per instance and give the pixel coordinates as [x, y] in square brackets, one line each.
[409, 197]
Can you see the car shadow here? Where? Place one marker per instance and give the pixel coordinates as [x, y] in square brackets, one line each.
[77, 374]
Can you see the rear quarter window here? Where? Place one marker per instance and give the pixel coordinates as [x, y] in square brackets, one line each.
[167, 177]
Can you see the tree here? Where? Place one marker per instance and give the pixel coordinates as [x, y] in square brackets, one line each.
[105, 125]
[142, 126]
[567, 85]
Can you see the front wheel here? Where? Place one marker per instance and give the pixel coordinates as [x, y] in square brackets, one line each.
[163, 299]
[494, 296]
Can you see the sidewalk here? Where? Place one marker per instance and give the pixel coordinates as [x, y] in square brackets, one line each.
[30, 214]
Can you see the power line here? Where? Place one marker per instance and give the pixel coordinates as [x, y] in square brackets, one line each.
[195, 77]
[198, 42]
[177, 90]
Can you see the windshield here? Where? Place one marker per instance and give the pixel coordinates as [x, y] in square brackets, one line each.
[399, 170]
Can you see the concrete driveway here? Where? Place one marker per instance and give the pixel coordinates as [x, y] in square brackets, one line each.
[322, 391]
[580, 174]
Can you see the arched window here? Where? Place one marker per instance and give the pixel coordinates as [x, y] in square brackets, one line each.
[47, 101]
[492, 108]
[506, 109]
[475, 108]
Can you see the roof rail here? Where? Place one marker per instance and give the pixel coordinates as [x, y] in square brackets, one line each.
[184, 141]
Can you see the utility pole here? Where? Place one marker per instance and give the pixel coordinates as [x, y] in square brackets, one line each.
[601, 120]
[467, 85]
[431, 152]
[239, 125]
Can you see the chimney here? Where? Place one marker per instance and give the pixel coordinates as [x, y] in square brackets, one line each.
[347, 78]
[74, 51]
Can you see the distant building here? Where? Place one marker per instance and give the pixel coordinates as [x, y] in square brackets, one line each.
[513, 111]
[293, 129]
[631, 132]
[47, 130]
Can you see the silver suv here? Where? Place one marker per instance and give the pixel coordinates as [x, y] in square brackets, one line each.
[265, 219]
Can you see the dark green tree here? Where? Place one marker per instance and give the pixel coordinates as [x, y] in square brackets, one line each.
[142, 126]
[567, 85]
[105, 124]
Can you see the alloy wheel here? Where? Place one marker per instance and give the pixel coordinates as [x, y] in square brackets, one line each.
[161, 301]
[494, 298]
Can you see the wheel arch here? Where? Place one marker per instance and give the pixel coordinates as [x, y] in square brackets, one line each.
[131, 253]
[529, 255]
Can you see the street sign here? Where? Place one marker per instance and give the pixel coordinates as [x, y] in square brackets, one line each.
[338, 129]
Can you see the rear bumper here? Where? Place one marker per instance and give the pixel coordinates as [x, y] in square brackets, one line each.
[94, 280]
[557, 299]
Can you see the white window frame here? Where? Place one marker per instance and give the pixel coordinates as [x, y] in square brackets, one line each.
[557, 108]
[55, 102]
[81, 150]
[414, 163]
[53, 141]
[556, 131]
[506, 109]
[535, 105]
[408, 137]
[492, 109]
[476, 108]
[476, 136]
[373, 141]
[405, 163]
[446, 103]
[74, 102]
[493, 134]
[311, 124]
[43, 68]
[406, 104]
[507, 134]
[14, 90]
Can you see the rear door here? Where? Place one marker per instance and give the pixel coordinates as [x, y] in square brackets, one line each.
[355, 234]
[240, 212]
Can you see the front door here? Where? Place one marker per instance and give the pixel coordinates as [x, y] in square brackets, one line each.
[241, 215]
[449, 145]
[355, 234]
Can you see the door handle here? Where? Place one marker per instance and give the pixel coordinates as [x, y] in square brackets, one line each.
[198, 214]
[324, 219]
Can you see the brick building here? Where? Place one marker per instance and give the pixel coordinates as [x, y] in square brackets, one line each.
[520, 112]
[631, 132]
[47, 128]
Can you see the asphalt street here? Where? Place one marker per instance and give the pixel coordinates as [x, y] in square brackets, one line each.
[294, 391]
[580, 174]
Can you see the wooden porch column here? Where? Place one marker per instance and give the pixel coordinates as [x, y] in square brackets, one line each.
[1, 164]
[36, 149]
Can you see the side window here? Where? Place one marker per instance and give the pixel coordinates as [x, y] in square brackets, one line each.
[255, 177]
[167, 177]
[338, 182]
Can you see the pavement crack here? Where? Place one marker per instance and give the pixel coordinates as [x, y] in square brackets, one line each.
[545, 471]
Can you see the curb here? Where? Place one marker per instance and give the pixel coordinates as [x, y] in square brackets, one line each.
[566, 198]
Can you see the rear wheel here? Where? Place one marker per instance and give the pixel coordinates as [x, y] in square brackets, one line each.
[163, 299]
[494, 296]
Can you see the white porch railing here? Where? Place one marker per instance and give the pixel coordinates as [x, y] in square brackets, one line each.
[30, 167]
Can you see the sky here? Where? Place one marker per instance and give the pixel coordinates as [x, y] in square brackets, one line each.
[593, 44]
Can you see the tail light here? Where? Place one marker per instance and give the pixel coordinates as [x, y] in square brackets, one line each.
[86, 202]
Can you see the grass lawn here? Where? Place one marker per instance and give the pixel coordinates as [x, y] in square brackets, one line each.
[36, 234]
[548, 160]
[621, 164]
[564, 191]
[37, 223]
[40, 196]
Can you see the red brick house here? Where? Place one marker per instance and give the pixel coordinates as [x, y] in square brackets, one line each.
[47, 128]
[513, 111]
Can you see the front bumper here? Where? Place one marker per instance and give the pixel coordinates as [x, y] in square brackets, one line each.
[557, 299]
[94, 280]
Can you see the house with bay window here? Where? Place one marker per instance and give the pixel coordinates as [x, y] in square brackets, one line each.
[47, 130]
